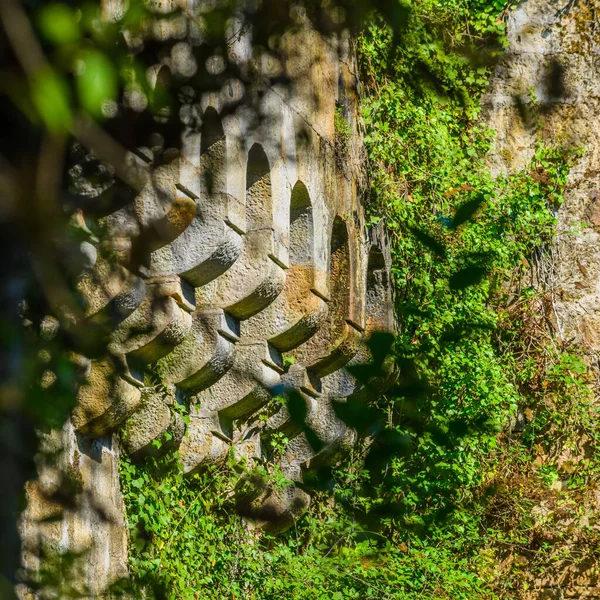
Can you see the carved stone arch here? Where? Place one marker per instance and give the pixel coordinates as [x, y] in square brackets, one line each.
[378, 300]
[378, 308]
[213, 153]
[159, 77]
[339, 268]
[297, 313]
[301, 238]
[336, 342]
[212, 129]
[259, 197]
[258, 276]
[163, 76]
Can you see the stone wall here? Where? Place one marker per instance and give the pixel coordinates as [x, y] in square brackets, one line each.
[554, 52]
[240, 266]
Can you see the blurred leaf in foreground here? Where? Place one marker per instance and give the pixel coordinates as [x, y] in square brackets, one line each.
[58, 24]
[50, 97]
[96, 81]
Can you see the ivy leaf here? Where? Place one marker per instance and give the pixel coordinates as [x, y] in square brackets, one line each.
[466, 211]
[96, 81]
[466, 277]
[429, 242]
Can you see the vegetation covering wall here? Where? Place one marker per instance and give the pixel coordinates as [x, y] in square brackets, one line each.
[443, 497]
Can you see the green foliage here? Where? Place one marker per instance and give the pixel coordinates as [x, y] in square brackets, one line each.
[59, 24]
[459, 235]
[50, 97]
[188, 541]
[463, 239]
[96, 81]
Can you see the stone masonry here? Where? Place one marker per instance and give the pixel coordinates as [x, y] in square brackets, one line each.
[256, 273]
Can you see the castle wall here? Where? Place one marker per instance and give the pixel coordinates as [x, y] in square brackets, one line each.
[239, 268]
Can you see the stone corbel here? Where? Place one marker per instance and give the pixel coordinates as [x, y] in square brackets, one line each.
[244, 389]
[253, 282]
[209, 246]
[204, 443]
[104, 399]
[333, 346]
[205, 355]
[151, 421]
[110, 292]
[247, 385]
[275, 510]
[334, 435]
[157, 216]
[341, 352]
[295, 379]
[157, 326]
[295, 315]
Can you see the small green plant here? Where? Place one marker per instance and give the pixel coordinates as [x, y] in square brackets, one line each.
[343, 132]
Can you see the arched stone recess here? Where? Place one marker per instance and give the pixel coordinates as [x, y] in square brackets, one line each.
[258, 276]
[379, 313]
[299, 311]
[259, 197]
[338, 340]
[212, 242]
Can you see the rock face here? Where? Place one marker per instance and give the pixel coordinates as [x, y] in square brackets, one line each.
[240, 266]
[554, 55]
